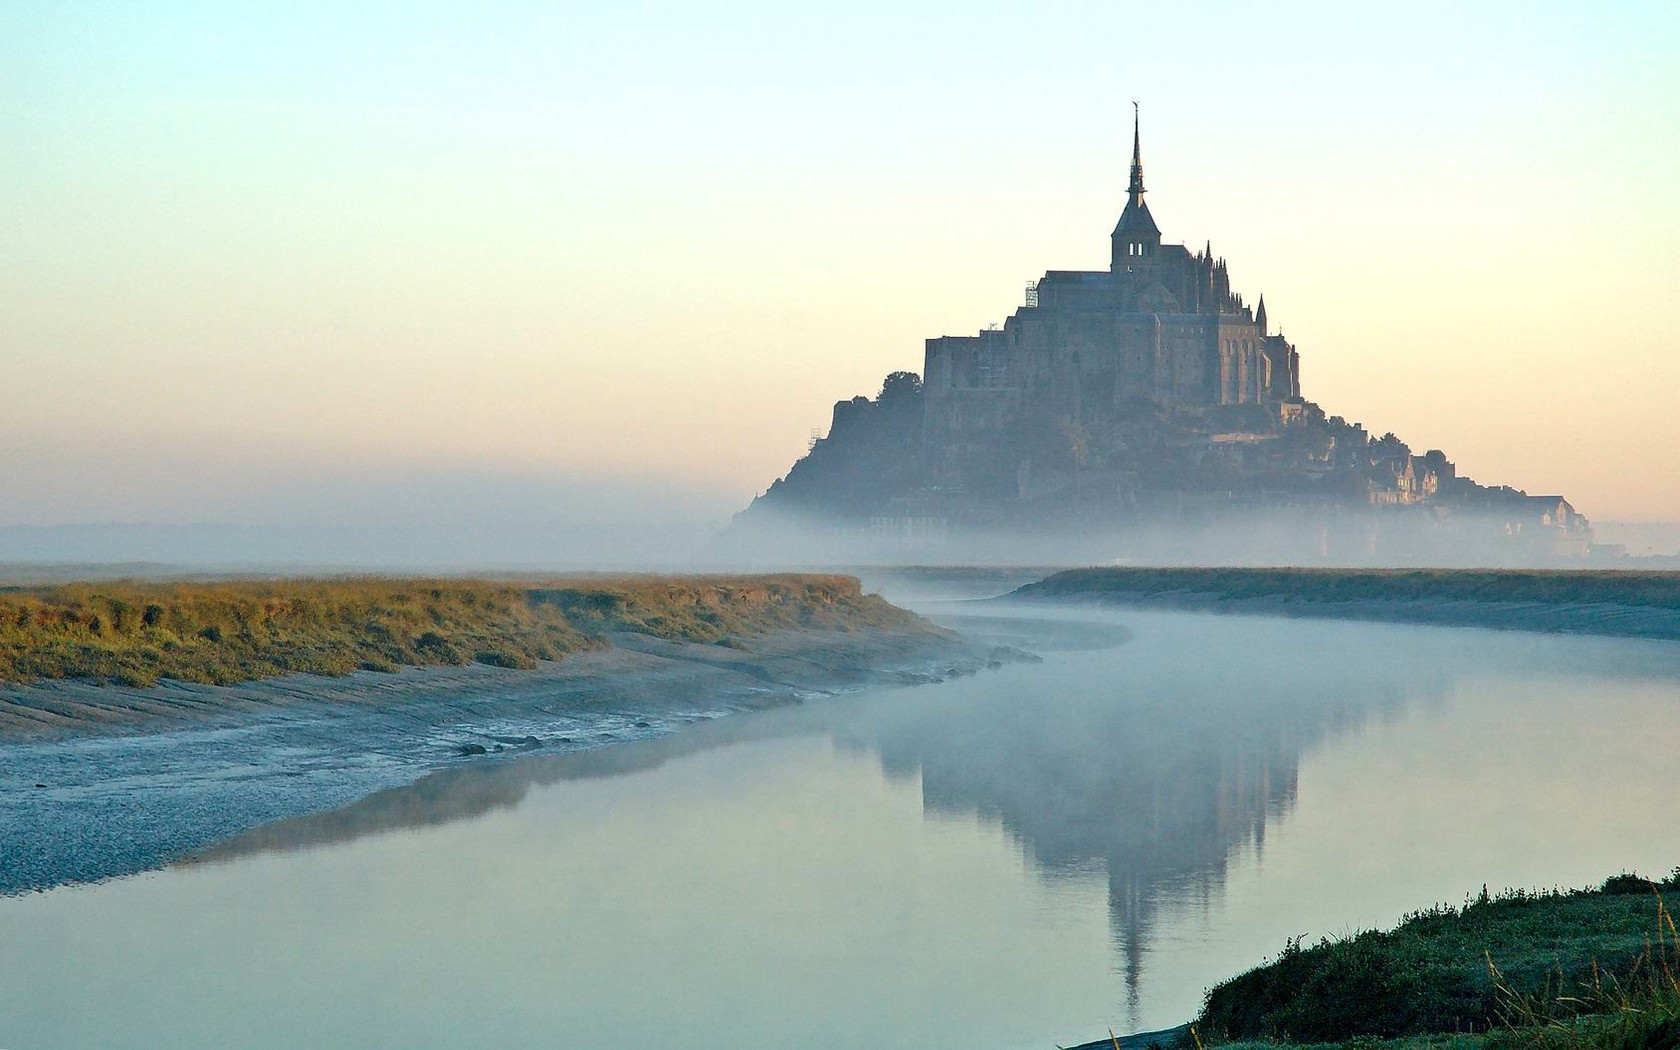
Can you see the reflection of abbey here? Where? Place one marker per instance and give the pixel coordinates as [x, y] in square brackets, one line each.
[1147, 396]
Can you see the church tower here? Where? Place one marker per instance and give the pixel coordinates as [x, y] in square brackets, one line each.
[1136, 237]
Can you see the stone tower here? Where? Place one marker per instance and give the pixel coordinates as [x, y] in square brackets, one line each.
[1136, 237]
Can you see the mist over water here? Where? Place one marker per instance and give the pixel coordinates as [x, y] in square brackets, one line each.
[1167, 534]
[1027, 856]
[358, 519]
[361, 519]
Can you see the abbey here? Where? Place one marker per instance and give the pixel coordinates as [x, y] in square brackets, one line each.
[1160, 324]
[1144, 400]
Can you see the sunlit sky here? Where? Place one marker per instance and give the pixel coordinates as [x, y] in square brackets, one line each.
[256, 258]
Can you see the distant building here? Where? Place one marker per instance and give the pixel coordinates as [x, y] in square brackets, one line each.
[1144, 400]
[1160, 325]
[1554, 522]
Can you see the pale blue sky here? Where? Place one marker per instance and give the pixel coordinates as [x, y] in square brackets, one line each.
[248, 245]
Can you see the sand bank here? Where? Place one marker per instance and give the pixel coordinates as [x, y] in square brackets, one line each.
[1618, 604]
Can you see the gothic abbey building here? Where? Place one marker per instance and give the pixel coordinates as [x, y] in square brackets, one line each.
[1160, 325]
[1145, 396]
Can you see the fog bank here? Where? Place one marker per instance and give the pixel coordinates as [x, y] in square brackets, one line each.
[431, 521]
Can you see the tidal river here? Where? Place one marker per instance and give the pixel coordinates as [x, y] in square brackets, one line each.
[1024, 857]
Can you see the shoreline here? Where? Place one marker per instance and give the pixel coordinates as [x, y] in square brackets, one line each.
[183, 767]
[1617, 605]
[633, 664]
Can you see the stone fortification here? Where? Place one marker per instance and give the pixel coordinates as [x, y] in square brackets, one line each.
[1146, 393]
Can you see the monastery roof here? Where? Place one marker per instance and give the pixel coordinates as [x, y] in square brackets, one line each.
[1077, 276]
[1136, 218]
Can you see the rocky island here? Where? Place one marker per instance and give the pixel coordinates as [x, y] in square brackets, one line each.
[1146, 412]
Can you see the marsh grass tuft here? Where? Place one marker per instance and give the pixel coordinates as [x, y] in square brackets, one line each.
[1635, 1010]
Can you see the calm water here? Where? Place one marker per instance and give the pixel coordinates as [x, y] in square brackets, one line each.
[1014, 860]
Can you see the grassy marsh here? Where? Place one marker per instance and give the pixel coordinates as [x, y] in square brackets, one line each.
[1656, 590]
[1581, 601]
[137, 633]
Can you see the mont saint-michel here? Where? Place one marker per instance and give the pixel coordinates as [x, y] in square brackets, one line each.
[1147, 410]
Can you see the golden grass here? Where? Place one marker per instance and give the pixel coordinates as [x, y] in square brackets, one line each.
[222, 632]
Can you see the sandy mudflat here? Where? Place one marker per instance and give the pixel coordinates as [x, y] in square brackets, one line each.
[637, 671]
[99, 781]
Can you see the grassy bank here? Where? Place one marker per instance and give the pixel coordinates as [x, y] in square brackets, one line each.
[1553, 970]
[1636, 604]
[136, 633]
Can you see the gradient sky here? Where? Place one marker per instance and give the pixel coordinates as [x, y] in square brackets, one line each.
[255, 257]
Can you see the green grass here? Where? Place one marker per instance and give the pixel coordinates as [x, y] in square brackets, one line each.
[1553, 970]
[137, 633]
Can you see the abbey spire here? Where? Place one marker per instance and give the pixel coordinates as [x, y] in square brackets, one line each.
[1135, 237]
[1136, 187]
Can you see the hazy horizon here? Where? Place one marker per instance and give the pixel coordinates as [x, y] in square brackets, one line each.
[431, 268]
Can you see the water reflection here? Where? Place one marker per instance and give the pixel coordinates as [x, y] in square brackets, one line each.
[1159, 768]
[474, 790]
[1155, 761]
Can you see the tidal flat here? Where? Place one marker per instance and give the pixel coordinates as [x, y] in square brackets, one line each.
[1010, 859]
[100, 777]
